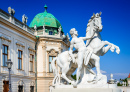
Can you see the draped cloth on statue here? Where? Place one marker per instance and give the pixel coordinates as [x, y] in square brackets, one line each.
[87, 56]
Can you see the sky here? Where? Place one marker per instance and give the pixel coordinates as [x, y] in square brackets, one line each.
[76, 13]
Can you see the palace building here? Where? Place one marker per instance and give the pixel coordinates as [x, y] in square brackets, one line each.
[128, 79]
[31, 49]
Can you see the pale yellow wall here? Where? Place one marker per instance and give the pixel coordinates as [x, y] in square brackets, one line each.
[128, 80]
[43, 84]
[47, 47]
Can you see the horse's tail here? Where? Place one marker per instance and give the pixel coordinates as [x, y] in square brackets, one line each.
[54, 67]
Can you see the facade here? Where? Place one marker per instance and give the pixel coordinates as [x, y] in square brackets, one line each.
[128, 79]
[31, 49]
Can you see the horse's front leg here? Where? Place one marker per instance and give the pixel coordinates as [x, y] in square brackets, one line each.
[103, 43]
[105, 50]
[112, 48]
[115, 47]
[65, 69]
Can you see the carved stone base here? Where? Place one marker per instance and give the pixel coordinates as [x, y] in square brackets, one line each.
[86, 88]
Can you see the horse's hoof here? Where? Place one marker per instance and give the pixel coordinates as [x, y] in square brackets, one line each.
[74, 85]
[97, 77]
[118, 51]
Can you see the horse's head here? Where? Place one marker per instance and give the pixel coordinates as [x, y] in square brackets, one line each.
[96, 21]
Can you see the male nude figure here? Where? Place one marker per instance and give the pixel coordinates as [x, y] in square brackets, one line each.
[79, 45]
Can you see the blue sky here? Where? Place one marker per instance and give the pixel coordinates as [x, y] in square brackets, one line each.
[76, 13]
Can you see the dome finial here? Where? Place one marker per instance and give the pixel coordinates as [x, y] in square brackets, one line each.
[45, 8]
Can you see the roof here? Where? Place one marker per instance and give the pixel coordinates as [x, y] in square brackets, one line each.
[46, 19]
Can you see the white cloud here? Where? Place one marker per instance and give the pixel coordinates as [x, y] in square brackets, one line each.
[100, 70]
[118, 76]
[103, 71]
[121, 74]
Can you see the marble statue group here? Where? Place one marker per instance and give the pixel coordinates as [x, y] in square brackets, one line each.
[84, 58]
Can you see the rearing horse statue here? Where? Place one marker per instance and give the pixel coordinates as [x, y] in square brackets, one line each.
[96, 43]
[95, 47]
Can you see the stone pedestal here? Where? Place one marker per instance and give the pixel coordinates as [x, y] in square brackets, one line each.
[85, 88]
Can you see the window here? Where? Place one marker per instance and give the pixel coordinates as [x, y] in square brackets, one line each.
[50, 60]
[31, 62]
[19, 59]
[20, 88]
[31, 88]
[50, 33]
[5, 55]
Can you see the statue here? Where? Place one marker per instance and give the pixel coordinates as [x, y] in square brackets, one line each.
[11, 11]
[24, 19]
[98, 47]
[43, 27]
[59, 29]
[79, 45]
[85, 57]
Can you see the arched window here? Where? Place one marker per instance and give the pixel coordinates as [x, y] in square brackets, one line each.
[50, 33]
[50, 60]
[32, 84]
[20, 86]
[51, 55]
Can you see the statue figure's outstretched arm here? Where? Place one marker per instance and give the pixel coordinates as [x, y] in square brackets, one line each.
[89, 37]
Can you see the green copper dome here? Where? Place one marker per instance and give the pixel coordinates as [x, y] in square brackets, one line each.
[46, 19]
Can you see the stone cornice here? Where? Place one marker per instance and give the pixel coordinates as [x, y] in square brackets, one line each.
[16, 28]
[16, 75]
[4, 38]
[19, 44]
[31, 49]
[60, 48]
[55, 40]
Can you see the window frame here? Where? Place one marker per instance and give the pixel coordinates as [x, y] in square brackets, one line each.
[50, 62]
[20, 86]
[4, 62]
[20, 59]
[50, 32]
[32, 62]
[31, 87]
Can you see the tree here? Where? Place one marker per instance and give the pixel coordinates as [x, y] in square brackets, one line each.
[122, 80]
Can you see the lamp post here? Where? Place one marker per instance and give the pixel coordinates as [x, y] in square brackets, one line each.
[9, 65]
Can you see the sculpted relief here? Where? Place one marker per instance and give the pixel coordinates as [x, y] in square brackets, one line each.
[84, 58]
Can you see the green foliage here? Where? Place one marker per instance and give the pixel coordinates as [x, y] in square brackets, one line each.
[123, 80]
[118, 84]
[73, 76]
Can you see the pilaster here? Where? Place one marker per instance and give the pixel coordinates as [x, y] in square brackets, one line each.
[44, 57]
[0, 54]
